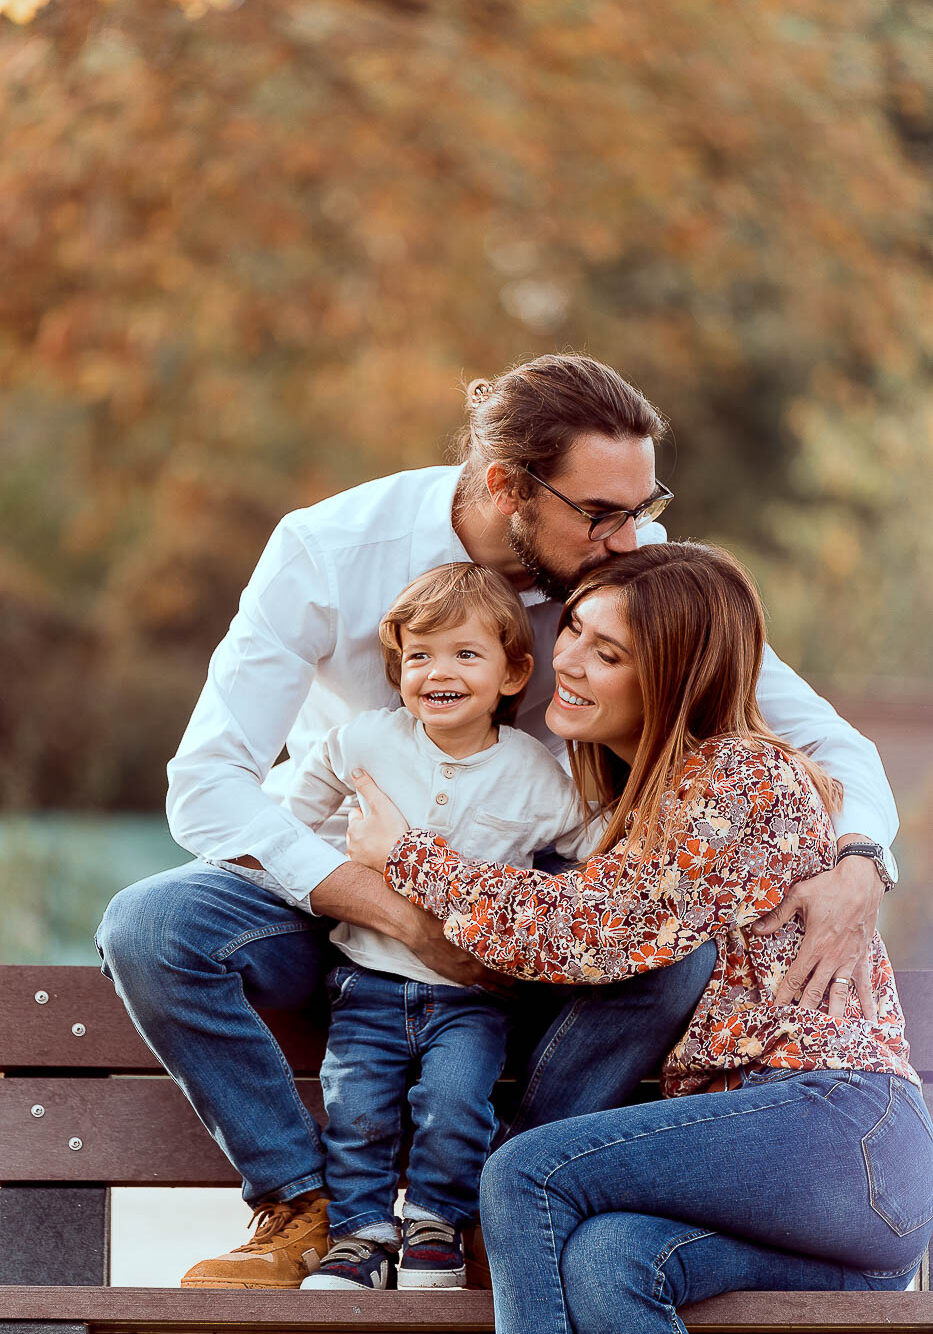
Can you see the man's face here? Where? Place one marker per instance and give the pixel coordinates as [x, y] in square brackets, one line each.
[598, 473]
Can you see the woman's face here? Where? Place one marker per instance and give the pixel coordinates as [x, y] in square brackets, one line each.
[597, 696]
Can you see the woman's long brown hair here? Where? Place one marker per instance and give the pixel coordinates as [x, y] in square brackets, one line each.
[698, 633]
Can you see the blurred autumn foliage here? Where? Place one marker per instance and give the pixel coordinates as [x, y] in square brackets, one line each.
[247, 260]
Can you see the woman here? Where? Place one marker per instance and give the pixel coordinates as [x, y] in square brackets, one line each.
[803, 1155]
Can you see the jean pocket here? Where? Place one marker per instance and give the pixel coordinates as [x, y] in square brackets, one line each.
[898, 1154]
[340, 983]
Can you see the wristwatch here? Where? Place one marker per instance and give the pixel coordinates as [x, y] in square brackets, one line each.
[883, 858]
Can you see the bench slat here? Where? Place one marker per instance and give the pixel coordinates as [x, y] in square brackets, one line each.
[133, 1131]
[34, 1035]
[151, 1308]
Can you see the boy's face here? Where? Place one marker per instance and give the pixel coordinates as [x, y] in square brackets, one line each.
[452, 678]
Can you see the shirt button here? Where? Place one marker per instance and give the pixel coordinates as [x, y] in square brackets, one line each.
[441, 798]
[448, 772]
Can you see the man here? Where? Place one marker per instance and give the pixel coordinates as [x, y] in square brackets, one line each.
[559, 474]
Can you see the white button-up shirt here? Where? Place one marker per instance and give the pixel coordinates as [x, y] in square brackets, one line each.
[302, 656]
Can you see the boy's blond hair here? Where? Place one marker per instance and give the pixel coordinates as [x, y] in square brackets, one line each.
[445, 597]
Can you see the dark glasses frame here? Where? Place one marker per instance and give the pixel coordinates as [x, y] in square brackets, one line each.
[604, 525]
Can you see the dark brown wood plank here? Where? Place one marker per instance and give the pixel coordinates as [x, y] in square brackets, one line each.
[34, 1035]
[151, 1308]
[133, 1130]
[801, 1311]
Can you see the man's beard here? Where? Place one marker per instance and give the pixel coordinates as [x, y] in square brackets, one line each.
[553, 583]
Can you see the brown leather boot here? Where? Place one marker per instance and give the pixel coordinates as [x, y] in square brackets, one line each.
[289, 1243]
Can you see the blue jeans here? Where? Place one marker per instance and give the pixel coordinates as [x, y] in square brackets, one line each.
[607, 1223]
[382, 1027]
[192, 951]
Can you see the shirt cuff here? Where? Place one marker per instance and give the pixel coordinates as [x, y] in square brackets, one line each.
[306, 866]
[857, 817]
[411, 851]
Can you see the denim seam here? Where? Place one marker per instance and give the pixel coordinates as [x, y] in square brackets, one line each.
[658, 1130]
[311, 1126]
[540, 1069]
[313, 1181]
[565, 1322]
[414, 1028]
[894, 1088]
[260, 933]
[894, 1273]
[768, 1075]
[660, 1278]
[346, 988]
[357, 1221]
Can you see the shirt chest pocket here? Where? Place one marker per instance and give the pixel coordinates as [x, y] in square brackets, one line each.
[495, 839]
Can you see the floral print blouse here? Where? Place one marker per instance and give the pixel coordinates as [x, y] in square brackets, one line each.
[743, 825]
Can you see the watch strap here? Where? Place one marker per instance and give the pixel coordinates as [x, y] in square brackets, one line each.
[875, 853]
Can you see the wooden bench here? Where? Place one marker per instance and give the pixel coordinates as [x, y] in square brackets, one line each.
[80, 1112]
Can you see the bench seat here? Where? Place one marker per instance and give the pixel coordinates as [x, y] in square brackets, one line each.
[84, 1107]
[120, 1310]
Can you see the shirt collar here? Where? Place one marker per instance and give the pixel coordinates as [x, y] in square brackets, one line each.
[437, 756]
[434, 541]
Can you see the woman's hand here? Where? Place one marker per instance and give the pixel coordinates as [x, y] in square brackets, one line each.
[371, 836]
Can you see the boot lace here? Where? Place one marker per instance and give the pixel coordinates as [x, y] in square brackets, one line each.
[272, 1220]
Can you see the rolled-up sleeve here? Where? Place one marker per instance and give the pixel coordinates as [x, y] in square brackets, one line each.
[257, 681]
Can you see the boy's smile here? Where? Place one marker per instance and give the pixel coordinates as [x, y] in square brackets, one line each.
[452, 680]
[442, 698]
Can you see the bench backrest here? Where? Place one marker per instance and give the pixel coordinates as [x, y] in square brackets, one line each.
[84, 1100]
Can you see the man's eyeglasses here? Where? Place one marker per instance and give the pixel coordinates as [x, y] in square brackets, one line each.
[604, 525]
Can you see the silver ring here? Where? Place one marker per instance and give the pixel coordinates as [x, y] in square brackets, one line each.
[844, 980]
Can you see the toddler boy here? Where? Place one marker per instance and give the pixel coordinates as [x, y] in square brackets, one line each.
[457, 645]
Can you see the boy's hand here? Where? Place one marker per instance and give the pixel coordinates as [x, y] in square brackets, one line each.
[374, 830]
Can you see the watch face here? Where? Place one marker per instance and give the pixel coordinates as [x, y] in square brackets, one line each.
[890, 865]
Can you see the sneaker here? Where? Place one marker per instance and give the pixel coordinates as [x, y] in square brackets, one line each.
[355, 1262]
[432, 1255]
[290, 1239]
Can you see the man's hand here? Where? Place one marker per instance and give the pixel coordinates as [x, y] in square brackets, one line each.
[839, 912]
[434, 949]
